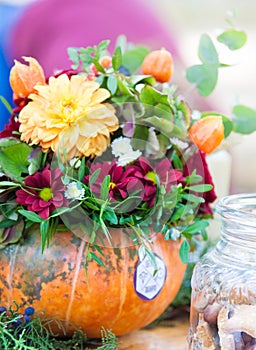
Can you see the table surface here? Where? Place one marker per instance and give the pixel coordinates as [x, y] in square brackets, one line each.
[168, 335]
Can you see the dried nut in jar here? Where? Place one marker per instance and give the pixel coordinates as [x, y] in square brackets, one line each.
[236, 319]
[206, 335]
[211, 313]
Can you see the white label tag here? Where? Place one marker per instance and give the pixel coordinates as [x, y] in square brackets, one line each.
[146, 284]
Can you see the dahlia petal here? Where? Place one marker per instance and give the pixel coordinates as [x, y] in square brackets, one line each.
[99, 96]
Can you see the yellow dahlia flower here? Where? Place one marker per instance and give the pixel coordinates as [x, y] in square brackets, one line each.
[69, 114]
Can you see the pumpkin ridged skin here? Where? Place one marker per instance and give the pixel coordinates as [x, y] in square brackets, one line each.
[53, 283]
[159, 64]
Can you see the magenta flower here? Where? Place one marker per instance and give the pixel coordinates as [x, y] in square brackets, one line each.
[146, 179]
[139, 178]
[167, 175]
[118, 179]
[44, 192]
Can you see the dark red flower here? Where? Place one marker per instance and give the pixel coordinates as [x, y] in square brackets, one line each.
[44, 192]
[12, 126]
[167, 175]
[118, 179]
[145, 175]
[198, 161]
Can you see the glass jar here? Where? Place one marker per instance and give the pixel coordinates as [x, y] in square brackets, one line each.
[223, 300]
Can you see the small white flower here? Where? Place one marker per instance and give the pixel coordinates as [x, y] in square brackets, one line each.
[128, 158]
[74, 191]
[175, 234]
[121, 146]
[122, 149]
[180, 144]
[76, 162]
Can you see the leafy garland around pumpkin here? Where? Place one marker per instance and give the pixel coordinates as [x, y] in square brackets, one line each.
[28, 331]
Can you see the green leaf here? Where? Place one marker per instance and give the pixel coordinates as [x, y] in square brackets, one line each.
[10, 141]
[204, 77]
[97, 259]
[177, 161]
[207, 51]
[193, 178]
[8, 184]
[140, 136]
[112, 84]
[94, 177]
[133, 58]
[98, 66]
[81, 169]
[103, 45]
[162, 125]
[7, 223]
[30, 215]
[184, 251]
[192, 198]
[6, 104]
[196, 227]
[11, 235]
[180, 212]
[151, 96]
[13, 160]
[110, 216]
[233, 39]
[117, 58]
[104, 190]
[201, 188]
[44, 229]
[125, 91]
[228, 126]
[142, 79]
[100, 79]
[244, 119]
[74, 56]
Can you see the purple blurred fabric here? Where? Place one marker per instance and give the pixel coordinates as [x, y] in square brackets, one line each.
[48, 27]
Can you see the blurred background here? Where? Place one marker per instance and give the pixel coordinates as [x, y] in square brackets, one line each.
[44, 28]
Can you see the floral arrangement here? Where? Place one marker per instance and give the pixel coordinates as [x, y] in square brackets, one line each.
[106, 144]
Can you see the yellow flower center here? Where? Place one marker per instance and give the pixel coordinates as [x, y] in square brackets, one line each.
[151, 176]
[46, 194]
[68, 109]
[111, 185]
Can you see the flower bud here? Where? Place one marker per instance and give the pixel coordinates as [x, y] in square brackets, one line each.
[23, 77]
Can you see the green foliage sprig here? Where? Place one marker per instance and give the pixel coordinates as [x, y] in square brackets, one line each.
[16, 334]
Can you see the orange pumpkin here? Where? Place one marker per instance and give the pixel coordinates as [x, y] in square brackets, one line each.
[55, 283]
[159, 64]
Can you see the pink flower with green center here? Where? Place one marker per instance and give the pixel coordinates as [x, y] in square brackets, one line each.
[44, 192]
